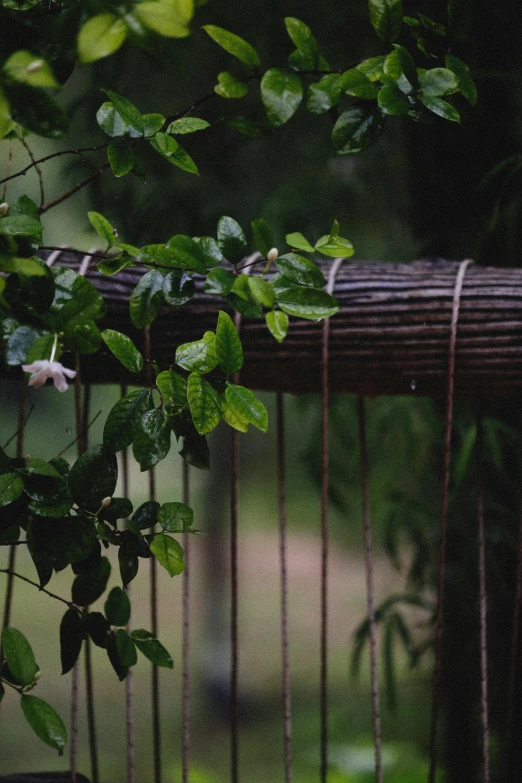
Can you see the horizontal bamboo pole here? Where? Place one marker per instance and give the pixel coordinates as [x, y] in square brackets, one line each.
[390, 336]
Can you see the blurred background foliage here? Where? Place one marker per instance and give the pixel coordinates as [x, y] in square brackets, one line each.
[437, 190]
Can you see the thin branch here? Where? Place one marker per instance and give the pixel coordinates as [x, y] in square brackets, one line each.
[35, 163]
[9, 161]
[35, 584]
[36, 166]
[13, 543]
[76, 252]
[20, 429]
[74, 441]
[75, 189]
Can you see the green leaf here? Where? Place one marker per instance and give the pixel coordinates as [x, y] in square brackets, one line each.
[168, 553]
[355, 82]
[152, 648]
[303, 39]
[151, 439]
[210, 251]
[82, 303]
[466, 84]
[102, 227]
[56, 543]
[186, 254]
[204, 404]
[11, 487]
[100, 36]
[19, 656]
[357, 129]
[173, 388]
[182, 160]
[242, 403]
[372, 68]
[152, 123]
[123, 416]
[22, 66]
[200, 355]
[117, 607]
[386, 18]
[438, 81]
[281, 92]
[146, 515]
[187, 125]
[82, 337]
[300, 270]
[6, 123]
[113, 123]
[19, 344]
[334, 246]
[121, 156]
[21, 226]
[178, 288]
[30, 267]
[118, 508]
[125, 647]
[114, 653]
[299, 242]
[228, 345]
[219, 282]
[245, 126]
[229, 86]
[233, 44]
[127, 111]
[93, 477]
[175, 517]
[231, 239]
[440, 107]
[262, 291]
[45, 722]
[35, 110]
[146, 299]
[324, 94]
[169, 18]
[392, 100]
[400, 66]
[123, 349]
[91, 585]
[40, 467]
[277, 323]
[71, 638]
[309, 303]
[263, 236]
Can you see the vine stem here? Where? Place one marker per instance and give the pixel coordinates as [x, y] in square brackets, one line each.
[15, 574]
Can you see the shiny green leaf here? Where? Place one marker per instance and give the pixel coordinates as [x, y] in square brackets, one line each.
[146, 515]
[466, 84]
[45, 722]
[386, 18]
[436, 82]
[310, 303]
[262, 291]
[187, 125]
[100, 36]
[228, 345]
[299, 242]
[219, 281]
[152, 648]
[334, 247]
[151, 439]
[93, 477]
[146, 299]
[357, 129]
[324, 94]
[277, 323]
[127, 111]
[19, 656]
[186, 254]
[168, 553]
[200, 355]
[169, 18]
[11, 487]
[102, 227]
[173, 388]
[204, 404]
[356, 83]
[440, 107]
[400, 66]
[229, 86]
[119, 427]
[392, 100]
[303, 39]
[372, 68]
[263, 236]
[300, 270]
[121, 156]
[231, 239]
[242, 408]
[175, 517]
[123, 349]
[19, 344]
[282, 93]
[210, 251]
[233, 44]
[22, 66]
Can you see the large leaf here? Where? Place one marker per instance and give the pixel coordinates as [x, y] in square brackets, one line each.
[44, 721]
[231, 239]
[178, 288]
[152, 648]
[203, 403]
[200, 356]
[19, 656]
[300, 270]
[151, 439]
[400, 66]
[84, 303]
[228, 345]
[281, 92]
[310, 303]
[93, 477]
[243, 405]
[146, 299]
[219, 281]
[123, 417]
[168, 553]
[175, 517]
[100, 36]
[233, 44]
[386, 18]
[123, 349]
[357, 129]
[263, 236]
[262, 291]
[392, 100]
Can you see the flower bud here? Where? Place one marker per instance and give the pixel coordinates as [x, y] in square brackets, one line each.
[272, 255]
[3, 208]
[106, 502]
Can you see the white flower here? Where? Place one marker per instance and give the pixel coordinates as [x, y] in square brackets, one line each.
[43, 369]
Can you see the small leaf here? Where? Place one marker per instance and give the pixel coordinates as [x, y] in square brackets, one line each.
[231, 239]
[186, 253]
[127, 111]
[243, 408]
[438, 81]
[440, 107]
[210, 251]
[334, 246]
[29, 68]
[119, 427]
[19, 344]
[123, 349]
[151, 439]
[169, 18]
[100, 36]
[309, 303]
[392, 100]
[187, 125]
[228, 345]
[262, 291]
[277, 323]
[91, 585]
[40, 467]
[168, 553]
[300, 270]
[282, 93]
[466, 84]
[200, 356]
[146, 515]
[117, 607]
[146, 299]
[372, 68]
[113, 123]
[324, 94]
[102, 227]
[152, 123]
[175, 517]
[173, 388]
[182, 160]
[219, 281]
[125, 647]
[400, 66]
[121, 156]
[356, 130]
[245, 126]
[71, 638]
[299, 242]
[204, 404]
[386, 18]
[45, 722]
[355, 82]
[19, 656]
[152, 648]
[11, 487]
[263, 236]
[303, 38]
[229, 86]
[233, 44]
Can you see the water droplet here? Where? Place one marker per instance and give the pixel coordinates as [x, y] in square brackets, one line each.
[413, 385]
[68, 431]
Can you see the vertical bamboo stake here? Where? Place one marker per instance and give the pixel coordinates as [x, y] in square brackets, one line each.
[483, 602]
[185, 755]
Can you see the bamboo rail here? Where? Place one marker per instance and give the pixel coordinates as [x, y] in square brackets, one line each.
[390, 336]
